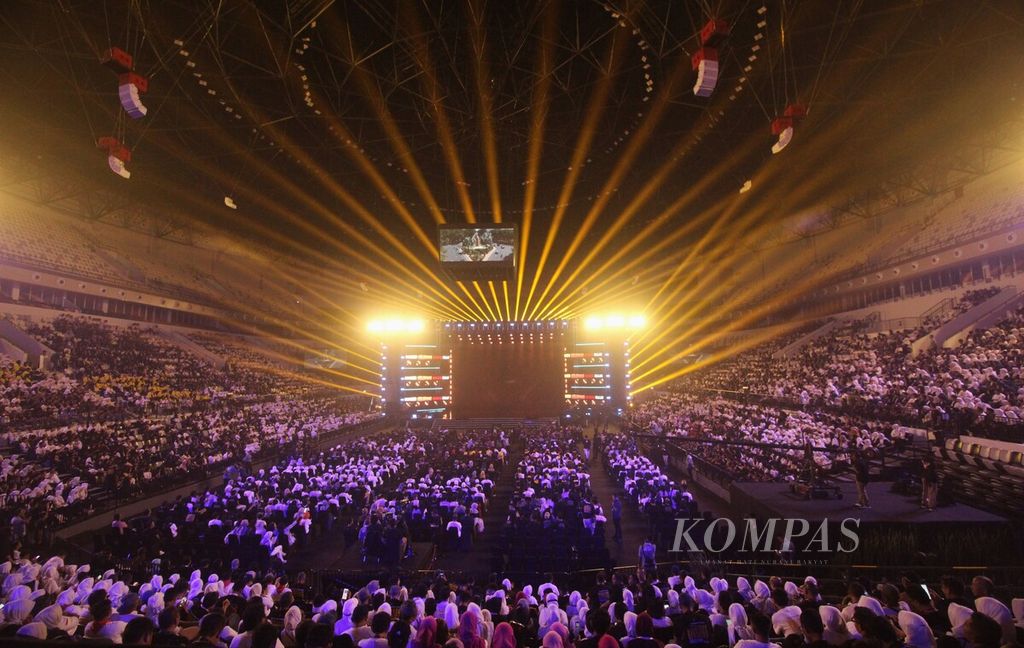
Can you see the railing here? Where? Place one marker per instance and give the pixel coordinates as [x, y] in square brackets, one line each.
[896, 324]
[944, 306]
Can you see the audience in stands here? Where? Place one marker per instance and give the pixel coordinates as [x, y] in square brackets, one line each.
[742, 428]
[126, 413]
[977, 383]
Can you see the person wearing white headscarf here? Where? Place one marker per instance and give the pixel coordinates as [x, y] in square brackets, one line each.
[451, 617]
[673, 603]
[915, 629]
[835, 632]
[329, 607]
[762, 599]
[574, 603]
[578, 623]
[629, 622]
[705, 600]
[627, 598]
[549, 615]
[1017, 605]
[344, 622]
[738, 625]
[17, 611]
[786, 621]
[34, 630]
[864, 601]
[292, 619]
[996, 610]
[958, 616]
[52, 616]
[481, 625]
[744, 588]
[487, 625]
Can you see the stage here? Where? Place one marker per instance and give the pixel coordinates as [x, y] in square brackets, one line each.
[895, 528]
[776, 500]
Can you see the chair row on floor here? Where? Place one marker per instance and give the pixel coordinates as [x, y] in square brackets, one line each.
[990, 476]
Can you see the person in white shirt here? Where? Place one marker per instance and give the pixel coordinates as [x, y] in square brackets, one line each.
[379, 626]
[103, 626]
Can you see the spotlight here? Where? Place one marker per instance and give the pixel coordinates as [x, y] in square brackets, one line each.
[615, 321]
[394, 326]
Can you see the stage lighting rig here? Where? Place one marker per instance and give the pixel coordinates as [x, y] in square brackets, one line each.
[396, 326]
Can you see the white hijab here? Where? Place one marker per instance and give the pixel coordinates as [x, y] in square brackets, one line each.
[918, 633]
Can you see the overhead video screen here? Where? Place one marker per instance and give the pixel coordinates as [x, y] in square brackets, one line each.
[493, 245]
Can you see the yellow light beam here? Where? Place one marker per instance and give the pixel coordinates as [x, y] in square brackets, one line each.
[371, 92]
[805, 283]
[289, 215]
[357, 208]
[579, 156]
[441, 123]
[478, 37]
[648, 231]
[375, 223]
[825, 144]
[483, 298]
[623, 165]
[508, 303]
[783, 269]
[805, 187]
[497, 300]
[538, 116]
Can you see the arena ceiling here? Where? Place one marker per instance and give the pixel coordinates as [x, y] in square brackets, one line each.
[345, 132]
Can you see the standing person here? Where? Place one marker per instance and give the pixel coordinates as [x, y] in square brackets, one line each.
[809, 464]
[861, 476]
[617, 518]
[648, 555]
[929, 482]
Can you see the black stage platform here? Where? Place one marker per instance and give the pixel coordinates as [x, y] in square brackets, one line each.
[776, 500]
[894, 531]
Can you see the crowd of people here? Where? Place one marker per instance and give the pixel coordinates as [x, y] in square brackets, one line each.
[975, 384]
[47, 475]
[122, 413]
[654, 608]
[99, 371]
[660, 499]
[756, 442]
[445, 500]
[128, 366]
[554, 518]
[256, 518]
[848, 390]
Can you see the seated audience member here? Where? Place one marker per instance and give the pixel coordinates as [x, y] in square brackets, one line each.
[140, 631]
